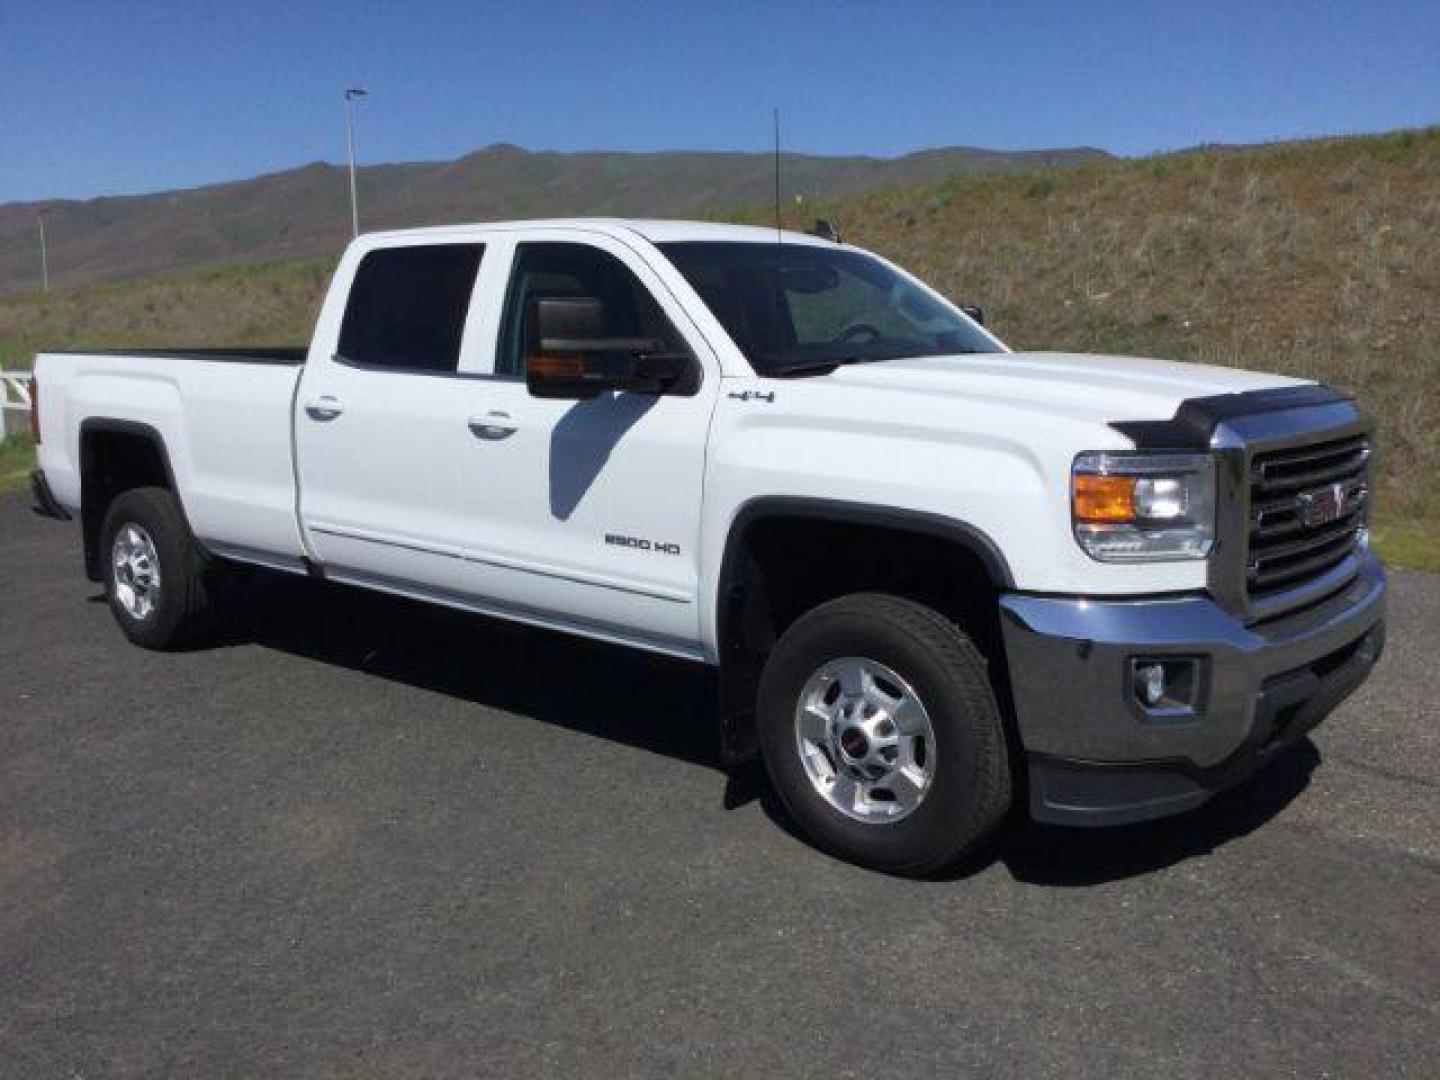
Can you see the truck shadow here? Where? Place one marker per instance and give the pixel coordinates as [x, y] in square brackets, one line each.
[633, 698]
[1069, 858]
[1047, 855]
[666, 707]
[583, 440]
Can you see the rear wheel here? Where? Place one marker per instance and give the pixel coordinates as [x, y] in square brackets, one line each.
[157, 579]
[882, 735]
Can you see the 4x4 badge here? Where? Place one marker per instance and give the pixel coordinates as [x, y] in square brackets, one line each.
[758, 395]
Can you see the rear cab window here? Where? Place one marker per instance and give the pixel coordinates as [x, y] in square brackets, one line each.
[407, 307]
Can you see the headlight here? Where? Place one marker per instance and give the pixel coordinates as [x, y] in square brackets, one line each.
[1143, 507]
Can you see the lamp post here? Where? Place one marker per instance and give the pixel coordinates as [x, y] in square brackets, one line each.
[350, 95]
[44, 254]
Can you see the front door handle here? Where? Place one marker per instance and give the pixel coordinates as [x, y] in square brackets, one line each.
[325, 408]
[492, 427]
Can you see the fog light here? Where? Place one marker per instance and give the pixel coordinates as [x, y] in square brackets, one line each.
[1150, 682]
[1167, 688]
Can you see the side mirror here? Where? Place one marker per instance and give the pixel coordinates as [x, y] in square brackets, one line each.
[568, 356]
[974, 312]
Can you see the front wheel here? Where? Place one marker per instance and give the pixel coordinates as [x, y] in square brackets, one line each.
[157, 579]
[881, 733]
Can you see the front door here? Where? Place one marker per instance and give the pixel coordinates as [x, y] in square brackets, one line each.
[589, 510]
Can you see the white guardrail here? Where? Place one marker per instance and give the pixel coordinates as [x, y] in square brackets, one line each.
[16, 389]
[15, 397]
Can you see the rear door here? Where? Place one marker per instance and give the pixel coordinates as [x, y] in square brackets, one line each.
[380, 420]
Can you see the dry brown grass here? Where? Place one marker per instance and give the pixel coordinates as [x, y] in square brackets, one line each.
[243, 305]
[1319, 259]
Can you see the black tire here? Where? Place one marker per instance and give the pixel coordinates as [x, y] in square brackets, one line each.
[181, 614]
[970, 790]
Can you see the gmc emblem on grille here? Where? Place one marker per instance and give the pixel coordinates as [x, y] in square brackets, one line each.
[1321, 506]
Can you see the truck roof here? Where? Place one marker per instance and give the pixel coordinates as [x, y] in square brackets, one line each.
[656, 230]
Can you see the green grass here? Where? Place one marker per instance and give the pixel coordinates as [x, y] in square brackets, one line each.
[1409, 543]
[17, 458]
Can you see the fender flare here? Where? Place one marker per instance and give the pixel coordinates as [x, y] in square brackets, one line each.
[90, 518]
[739, 671]
[902, 520]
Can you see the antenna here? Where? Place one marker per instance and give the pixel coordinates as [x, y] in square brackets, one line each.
[778, 235]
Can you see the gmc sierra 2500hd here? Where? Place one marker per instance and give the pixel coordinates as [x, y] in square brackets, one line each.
[934, 573]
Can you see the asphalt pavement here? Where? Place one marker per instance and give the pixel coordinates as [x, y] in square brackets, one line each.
[366, 838]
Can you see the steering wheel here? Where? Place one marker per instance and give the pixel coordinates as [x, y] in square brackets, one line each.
[854, 331]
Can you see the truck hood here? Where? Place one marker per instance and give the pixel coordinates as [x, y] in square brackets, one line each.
[1077, 386]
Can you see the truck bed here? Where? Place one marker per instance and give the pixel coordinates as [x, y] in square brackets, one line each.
[222, 416]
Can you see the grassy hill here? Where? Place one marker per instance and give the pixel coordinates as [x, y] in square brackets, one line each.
[1319, 259]
[305, 212]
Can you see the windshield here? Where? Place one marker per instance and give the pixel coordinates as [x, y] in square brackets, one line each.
[793, 308]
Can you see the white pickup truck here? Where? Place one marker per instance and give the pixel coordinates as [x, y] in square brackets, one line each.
[939, 578]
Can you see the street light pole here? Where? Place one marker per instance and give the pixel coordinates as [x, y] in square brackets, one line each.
[44, 255]
[350, 95]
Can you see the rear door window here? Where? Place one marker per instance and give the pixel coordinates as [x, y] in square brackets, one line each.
[407, 307]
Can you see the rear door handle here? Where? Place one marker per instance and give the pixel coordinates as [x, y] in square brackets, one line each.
[325, 408]
[492, 427]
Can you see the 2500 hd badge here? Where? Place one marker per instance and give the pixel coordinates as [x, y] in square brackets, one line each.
[663, 547]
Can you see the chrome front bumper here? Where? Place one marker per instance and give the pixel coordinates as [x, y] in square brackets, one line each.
[1096, 757]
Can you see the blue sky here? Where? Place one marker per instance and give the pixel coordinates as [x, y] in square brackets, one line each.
[107, 98]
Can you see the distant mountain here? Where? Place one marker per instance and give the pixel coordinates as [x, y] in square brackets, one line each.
[304, 212]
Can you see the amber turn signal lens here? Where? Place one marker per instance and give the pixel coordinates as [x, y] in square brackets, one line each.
[1104, 498]
[557, 366]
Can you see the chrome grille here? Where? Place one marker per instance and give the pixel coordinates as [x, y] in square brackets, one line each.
[1307, 505]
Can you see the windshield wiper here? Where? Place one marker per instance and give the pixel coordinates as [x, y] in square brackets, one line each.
[825, 365]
